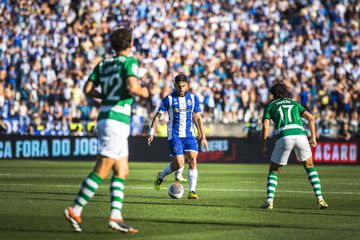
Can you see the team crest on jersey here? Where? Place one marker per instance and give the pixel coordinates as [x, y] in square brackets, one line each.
[189, 102]
[176, 110]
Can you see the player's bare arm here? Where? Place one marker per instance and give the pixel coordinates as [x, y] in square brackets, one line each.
[265, 134]
[201, 129]
[311, 121]
[197, 127]
[90, 91]
[135, 88]
[153, 126]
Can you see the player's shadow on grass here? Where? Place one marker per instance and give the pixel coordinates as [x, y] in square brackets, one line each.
[250, 225]
[323, 212]
[48, 231]
[66, 200]
[189, 203]
[51, 193]
[144, 197]
[173, 202]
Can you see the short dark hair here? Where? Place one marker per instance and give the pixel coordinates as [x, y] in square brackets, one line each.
[121, 39]
[181, 78]
[279, 90]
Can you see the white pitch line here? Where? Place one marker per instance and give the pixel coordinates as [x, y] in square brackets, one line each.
[200, 189]
[35, 175]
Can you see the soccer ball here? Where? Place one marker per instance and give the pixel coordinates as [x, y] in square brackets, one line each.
[176, 190]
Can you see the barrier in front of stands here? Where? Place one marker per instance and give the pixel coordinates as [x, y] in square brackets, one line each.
[221, 150]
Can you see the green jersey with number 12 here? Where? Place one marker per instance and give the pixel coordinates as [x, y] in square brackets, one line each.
[286, 115]
[111, 74]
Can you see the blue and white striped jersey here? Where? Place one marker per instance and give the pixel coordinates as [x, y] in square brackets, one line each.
[180, 111]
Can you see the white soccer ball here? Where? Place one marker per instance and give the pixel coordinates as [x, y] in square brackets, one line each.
[176, 190]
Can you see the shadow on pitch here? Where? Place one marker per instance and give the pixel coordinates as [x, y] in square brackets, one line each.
[48, 231]
[190, 203]
[51, 193]
[319, 212]
[250, 225]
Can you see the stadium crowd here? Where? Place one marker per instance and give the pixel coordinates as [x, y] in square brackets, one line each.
[232, 52]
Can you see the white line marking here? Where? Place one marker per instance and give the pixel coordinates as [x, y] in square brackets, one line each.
[200, 189]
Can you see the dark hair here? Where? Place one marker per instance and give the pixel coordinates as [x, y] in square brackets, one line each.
[181, 78]
[121, 39]
[279, 90]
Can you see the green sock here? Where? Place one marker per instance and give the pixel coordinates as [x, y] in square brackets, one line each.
[87, 191]
[117, 196]
[271, 186]
[315, 181]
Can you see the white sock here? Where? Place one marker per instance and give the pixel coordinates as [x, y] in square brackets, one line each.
[193, 175]
[116, 214]
[77, 209]
[166, 171]
[179, 172]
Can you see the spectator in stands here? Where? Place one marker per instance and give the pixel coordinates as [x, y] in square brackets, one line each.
[230, 50]
[344, 132]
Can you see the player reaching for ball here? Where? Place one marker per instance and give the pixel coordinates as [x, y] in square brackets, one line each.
[184, 110]
[290, 134]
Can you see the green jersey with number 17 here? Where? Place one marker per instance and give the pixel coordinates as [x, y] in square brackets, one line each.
[286, 115]
[111, 74]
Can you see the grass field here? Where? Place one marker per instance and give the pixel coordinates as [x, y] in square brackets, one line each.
[33, 196]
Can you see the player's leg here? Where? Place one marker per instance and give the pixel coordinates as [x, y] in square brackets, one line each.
[192, 174]
[314, 179]
[279, 158]
[191, 152]
[272, 181]
[176, 154]
[303, 152]
[177, 162]
[179, 174]
[88, 190]
[117, 185]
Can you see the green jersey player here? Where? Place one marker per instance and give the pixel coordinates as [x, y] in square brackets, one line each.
[290, 134]
[118, 79]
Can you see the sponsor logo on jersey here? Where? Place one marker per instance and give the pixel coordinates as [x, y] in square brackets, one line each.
[189, 102]
[177, 110]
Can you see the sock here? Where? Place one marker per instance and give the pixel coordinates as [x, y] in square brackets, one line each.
[315, 181]
[179, 172]
[193, 176]
[271, 186]
[87, 191]
[166, 171]
[117, 196]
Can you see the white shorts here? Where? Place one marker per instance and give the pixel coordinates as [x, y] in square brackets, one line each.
[113, 138]
[285, 145]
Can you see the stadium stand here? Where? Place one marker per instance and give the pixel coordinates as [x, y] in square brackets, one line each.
[231, 50]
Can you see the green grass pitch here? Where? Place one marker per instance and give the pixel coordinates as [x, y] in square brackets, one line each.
[33, 195]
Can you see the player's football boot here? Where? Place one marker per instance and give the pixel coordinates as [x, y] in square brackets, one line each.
[158, 182]
[322, 204]
[73, 219]
[121, 226]
[267, 205]
[193, 195]
[180, 179]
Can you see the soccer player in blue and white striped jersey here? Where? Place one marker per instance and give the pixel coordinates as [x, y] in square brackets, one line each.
[184, 111]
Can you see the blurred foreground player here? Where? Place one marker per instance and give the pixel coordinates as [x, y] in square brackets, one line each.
[118, 78]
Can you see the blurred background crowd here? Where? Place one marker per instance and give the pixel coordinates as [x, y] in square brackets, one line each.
[231, 50]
